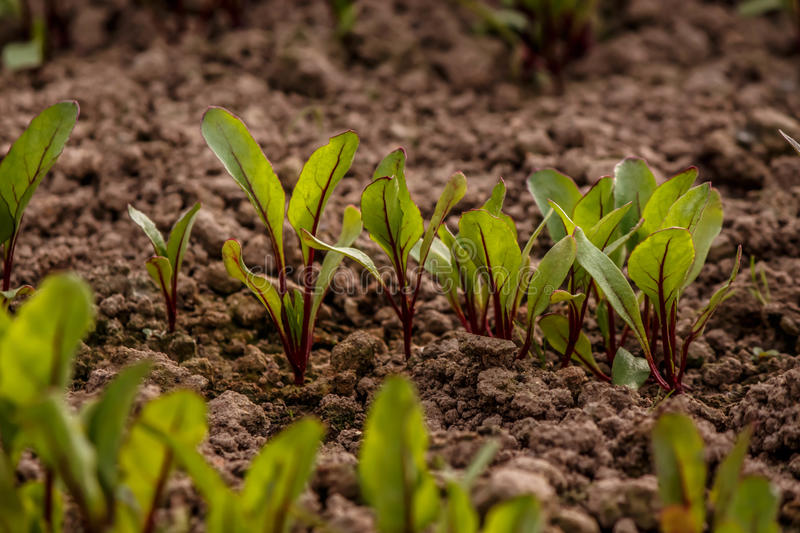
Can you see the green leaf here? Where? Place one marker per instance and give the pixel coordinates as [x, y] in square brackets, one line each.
[523, 277]
[392, 471]
[6, 297]
[547, 185]
[465, 271]
[595, 204]
[479, 463]
[393, 166]
[293, 311]
[320, 175]
[30, 158]
[454, 191]
[38, 345]
[224, 512]
[494, 204]
[662, 199]
[12, 505]
[526, 251]
[659, 264]
[33, 494]
[106, 421]
[392, 219]
[351, 229]
[205, 477]
[441, 266]
[628, 370]
[719, 296]
[353, 254]
[708, 226]
[23, 55]
[439, 261]
[753, 509]
[258, 284]
[600, 233]
[160, 272]
[61, 445]
[728, 476]
[278, 475]
[564, 296]
[520, 515]
[458, 514]
[680, 465]
[566, 220]
[550, 274]
[677, 519]
[150, 229]
[686, 210]
[145, 460]
[700, 212]
[614, 246]
[495, 249]
[752, 8]
[179, 237]
[229, 139]
[556, 330]
[633, 183]
[612, 282]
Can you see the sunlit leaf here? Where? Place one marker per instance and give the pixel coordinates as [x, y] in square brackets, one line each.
[678, 454]
[392, 471]
[320, 175]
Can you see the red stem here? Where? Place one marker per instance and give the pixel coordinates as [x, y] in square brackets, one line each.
[150, 521]
[307, 330]
[8, 260]
[611, 350]
[48, 499]
[574, 330]
[669, 362]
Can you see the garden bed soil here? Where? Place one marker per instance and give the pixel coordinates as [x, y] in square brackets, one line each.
[675, 82]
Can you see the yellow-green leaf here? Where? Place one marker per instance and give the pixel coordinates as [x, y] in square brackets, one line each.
[394, 477]
[320, 175]
[30, 158]
[257, 283]
[229, 139]
[38, 345]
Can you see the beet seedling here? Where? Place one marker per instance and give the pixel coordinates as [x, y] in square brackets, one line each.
[752, 8]
[345, 12]
[743, 504]
[396, 482]
[395, 223]
[552, 33]
[293, 311]
[669, 246]
[609, 214]
[165, 265]
[80, 453]
[273, 483]
[485, 264]
[30, 158]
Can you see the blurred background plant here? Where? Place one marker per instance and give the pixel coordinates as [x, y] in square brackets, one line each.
[345, 14]
[759, 286]
[23, 35]
[547, 35]
[754, 8]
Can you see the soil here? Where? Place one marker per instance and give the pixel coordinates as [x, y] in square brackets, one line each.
[677, 82]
